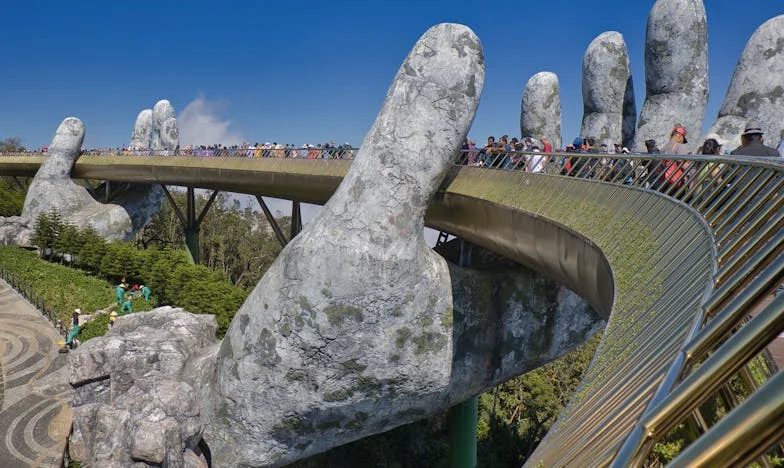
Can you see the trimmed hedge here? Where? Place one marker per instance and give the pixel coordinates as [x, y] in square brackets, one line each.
[61, 288]
[168, 273]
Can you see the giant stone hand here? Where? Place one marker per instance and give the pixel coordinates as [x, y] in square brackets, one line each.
[53, 190]
[352, 321]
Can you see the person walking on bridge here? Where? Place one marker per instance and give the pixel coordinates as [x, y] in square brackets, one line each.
[752, 143]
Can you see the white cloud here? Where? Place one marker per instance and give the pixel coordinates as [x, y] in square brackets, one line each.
[200, 124]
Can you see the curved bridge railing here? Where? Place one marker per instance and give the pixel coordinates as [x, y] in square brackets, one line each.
[676, 251]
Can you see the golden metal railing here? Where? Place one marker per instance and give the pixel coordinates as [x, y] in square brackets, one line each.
[741, 200]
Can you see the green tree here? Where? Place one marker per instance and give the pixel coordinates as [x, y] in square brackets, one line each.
[158, 277]
[92, 250]
[119, 262]
[238, 243]
[45, 232]
[12, 196]
[68, 242]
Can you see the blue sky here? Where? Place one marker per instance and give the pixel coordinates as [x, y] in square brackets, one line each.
[301, 71]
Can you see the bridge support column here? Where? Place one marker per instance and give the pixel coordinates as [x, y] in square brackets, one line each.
[463, 417]
[296, 219]
[462, 433]
[190, 222]
[273, 222]
[192, 244]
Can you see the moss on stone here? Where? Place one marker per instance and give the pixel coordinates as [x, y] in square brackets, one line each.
[403, 334]
[428, 342]
[369, 385]
[338, 313]
[289, 424]
[285, 327]
[297, 375]
[299, 321]
[265, 352]
[426, 321]
[304, 304]
[353, 366]
[338, 395]
[448, 319]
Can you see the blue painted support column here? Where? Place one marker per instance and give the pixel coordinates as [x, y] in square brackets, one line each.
[463, 417]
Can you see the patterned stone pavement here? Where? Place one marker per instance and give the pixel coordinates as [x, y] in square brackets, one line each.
[35, 417]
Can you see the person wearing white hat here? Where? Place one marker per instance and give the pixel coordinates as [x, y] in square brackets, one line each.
[752, 143]
[69, 340]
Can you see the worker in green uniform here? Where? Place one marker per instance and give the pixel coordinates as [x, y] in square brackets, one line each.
[120, 292]
[145, 292]
[74, 328]
[126, 307]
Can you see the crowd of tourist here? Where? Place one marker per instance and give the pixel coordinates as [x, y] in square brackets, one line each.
[502, 153]
[514, 153]
[327, 150]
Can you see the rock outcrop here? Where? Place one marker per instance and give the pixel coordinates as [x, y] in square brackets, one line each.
[609, 112]
[15, 230]
[540, 109]
[676, 71]
[133, 400]
[757, 89]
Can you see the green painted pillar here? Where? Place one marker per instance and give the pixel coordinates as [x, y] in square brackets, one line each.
[463, 417]
[192, 244]
[462, 433]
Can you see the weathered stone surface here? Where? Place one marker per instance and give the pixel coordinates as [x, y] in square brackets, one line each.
[165, 135]
[676, 71]
[509, 321]
[757, 88]
[141, 139]
[609, 111]
[53, 190]
[540, 109]
[357, 308]
[134, 401]
[15, 230]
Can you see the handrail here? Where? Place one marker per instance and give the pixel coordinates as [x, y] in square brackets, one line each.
[664, 297]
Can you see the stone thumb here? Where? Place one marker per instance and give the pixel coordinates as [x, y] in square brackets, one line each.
[64, 150]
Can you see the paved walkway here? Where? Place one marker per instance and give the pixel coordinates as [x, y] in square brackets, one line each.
[35, 417]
